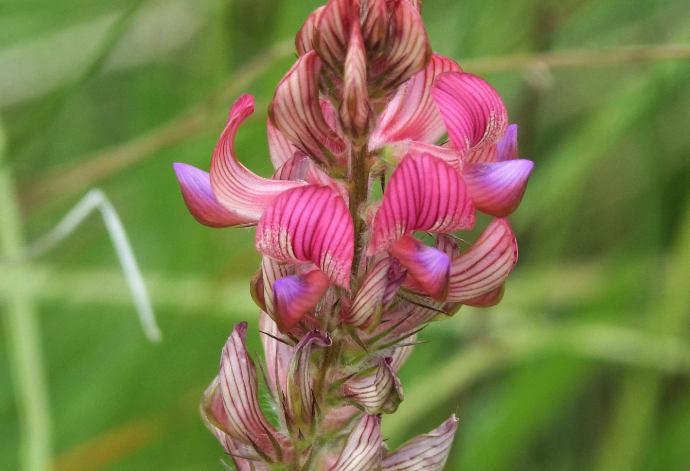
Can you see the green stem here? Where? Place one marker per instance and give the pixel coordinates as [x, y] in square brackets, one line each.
[23, 337]
[359, 192]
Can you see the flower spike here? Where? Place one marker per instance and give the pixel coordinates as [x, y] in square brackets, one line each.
[235, 187]
[424, 453]
[309, 224]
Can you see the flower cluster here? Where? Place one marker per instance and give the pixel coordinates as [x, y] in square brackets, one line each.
[344, 285]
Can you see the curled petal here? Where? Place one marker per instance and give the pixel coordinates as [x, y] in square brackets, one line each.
[200, 200]
[408, 50]
[304, 41]
[355, 110]
[309, 224]
[238, 385]
[296, 111]
[280, 149]
[484, 266]
[497, 188]
[507, 147]
[472, 110]
[362, 451]
[333, 33]
[489, 299]
[424, 194]
[376, 391]
[426, 265]
[301, 382]
[296, 296]
[374, 18]
[235, 187]
[412, 114]
[278, 355]
[365, 311]
[424, 453]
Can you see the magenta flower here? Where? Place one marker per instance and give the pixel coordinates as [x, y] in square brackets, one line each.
[344, 285]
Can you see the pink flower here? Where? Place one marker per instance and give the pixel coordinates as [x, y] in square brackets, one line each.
[344, 286]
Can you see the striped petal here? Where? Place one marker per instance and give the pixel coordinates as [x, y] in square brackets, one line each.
[304, 41]
[200, 200]
[485, 265]
[296, 296]
[296, 111]
[426, 265]
[497, 188]
[408, 50]
[507, 147]
[424, 453]
[424, 194]
[280, 149]
[417, 4]
[309, 224]
[374, 18]
[277, 354]
[472, 111]
[482, 155]
[235, 187]
[355, 109]
[362, 451]
[399, 354]
[375, 391]
[216, 420]
[333, 33]
[412, 113]
[238, 385]
[294, 168]
[301, 385]
[489, 299]
[379, 286]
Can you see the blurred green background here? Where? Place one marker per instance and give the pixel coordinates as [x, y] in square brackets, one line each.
[583, 366]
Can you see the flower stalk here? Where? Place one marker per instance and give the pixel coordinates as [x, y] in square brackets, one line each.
[344, 285]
